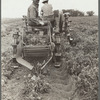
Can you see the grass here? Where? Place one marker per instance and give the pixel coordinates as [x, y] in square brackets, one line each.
[84, 57]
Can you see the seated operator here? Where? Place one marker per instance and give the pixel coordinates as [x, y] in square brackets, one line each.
[32, 14]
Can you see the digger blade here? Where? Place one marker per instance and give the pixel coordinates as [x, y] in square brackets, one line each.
[19, 59]
[24, 63]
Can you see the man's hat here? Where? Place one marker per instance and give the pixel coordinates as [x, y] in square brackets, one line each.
[44, 1]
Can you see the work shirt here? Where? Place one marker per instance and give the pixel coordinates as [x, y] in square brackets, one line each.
[47, 9]
[32, 14]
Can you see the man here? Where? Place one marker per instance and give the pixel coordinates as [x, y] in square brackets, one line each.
[47, 9]
[32, 14]
[47, 12]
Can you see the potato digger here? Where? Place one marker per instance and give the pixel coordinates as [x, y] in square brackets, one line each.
[34, 43]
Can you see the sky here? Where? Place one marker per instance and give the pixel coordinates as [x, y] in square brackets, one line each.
[18, 8]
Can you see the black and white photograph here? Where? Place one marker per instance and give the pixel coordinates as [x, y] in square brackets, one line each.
[49, 50]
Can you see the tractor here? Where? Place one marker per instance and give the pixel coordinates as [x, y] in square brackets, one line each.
[35, 43]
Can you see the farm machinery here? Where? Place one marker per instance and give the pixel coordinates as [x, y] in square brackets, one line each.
[34, 43]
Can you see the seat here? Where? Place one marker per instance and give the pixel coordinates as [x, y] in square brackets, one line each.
[35, 27]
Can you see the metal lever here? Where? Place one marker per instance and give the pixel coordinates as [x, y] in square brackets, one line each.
[47, 62]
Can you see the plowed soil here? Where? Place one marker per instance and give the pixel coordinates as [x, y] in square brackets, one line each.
[62, 81]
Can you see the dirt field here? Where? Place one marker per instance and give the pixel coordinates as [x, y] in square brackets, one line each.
[77, 79]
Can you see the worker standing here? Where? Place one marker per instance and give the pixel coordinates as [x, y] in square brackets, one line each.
[47, 12]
